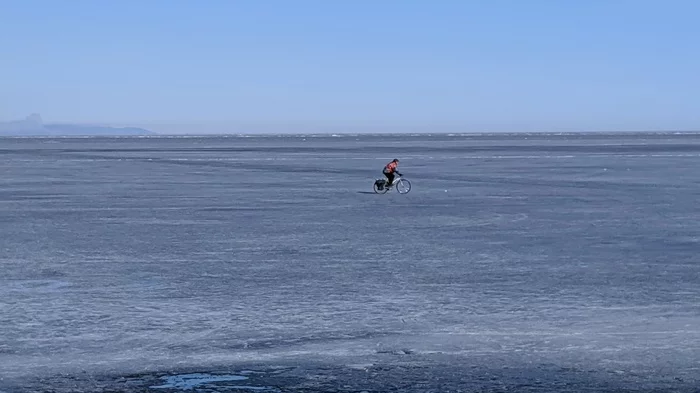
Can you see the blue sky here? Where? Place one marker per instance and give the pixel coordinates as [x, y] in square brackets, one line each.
[295, 65]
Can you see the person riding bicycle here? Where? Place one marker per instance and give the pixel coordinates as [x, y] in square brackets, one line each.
[389, 171]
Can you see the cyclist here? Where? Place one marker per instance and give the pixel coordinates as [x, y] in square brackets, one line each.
[389, 170]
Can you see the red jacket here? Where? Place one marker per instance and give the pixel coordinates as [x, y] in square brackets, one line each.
[390, 167]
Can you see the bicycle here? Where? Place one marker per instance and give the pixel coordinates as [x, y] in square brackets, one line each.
[403, 186]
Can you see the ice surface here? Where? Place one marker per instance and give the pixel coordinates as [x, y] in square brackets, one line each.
[136, 255]
[191, 381]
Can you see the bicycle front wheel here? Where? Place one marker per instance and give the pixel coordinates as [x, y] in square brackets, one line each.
[403, 186]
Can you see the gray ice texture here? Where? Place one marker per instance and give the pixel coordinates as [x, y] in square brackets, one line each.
[548, 262]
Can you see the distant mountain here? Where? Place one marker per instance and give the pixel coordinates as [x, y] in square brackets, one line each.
[31, 125]
[72, 129]
[34, 126]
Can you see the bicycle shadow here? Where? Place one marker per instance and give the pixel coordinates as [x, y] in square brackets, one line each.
[366, 192]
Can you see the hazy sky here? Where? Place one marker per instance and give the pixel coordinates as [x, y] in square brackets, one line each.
[279, 65]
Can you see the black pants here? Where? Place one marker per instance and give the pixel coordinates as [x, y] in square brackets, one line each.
[390, 178]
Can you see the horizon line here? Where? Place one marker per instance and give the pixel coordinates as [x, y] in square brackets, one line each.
[331, 134]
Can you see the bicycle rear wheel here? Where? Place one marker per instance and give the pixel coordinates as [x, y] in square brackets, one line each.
[403, 186]
[383, 190]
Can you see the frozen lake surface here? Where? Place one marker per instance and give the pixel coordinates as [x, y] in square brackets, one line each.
[516, 263]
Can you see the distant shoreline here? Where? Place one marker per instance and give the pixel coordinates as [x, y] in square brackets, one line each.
[350, 134]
